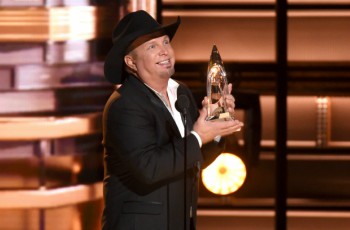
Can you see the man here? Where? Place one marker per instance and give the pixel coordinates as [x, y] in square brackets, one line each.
[143, 132]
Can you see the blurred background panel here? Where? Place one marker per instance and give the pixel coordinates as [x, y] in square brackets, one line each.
[52, 94]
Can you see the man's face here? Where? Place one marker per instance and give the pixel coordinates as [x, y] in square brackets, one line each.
[154, 59]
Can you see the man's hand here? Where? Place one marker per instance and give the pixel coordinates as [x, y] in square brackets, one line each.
[230, 101]
[208, 130]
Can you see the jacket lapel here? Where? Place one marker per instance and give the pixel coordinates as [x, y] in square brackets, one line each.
[156, 101]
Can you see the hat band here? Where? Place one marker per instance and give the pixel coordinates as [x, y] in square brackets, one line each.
[144, 38]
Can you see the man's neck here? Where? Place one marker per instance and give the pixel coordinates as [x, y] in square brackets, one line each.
[162, 94]
[159, 86]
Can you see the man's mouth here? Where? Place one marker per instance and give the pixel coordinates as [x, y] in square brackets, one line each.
[165, 62]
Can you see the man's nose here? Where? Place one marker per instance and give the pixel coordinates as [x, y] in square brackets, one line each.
[163, 50]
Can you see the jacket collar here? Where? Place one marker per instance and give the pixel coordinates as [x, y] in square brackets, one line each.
[154, 99]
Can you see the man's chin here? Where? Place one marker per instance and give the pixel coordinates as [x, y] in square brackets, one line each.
[172, 72]
[168, 73]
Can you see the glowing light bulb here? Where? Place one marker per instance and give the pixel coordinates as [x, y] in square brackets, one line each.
[225, 175]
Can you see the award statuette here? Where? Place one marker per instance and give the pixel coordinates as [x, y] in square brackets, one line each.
[217, 88]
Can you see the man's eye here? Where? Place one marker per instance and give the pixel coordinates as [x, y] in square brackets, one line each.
[166, 42]
[151, 47]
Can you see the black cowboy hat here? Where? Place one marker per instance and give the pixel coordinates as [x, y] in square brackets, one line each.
[132, 27]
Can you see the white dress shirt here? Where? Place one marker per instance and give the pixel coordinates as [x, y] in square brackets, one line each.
[172, 95]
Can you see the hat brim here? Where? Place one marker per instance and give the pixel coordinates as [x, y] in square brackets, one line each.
[114, 62]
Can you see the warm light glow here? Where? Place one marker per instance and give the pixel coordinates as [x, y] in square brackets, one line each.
[76, 168]
[225, 175]
[322, 101]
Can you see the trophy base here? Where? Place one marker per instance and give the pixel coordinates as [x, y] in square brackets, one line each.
[220, 117]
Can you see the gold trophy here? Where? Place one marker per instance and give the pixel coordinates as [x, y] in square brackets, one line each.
[217, 88]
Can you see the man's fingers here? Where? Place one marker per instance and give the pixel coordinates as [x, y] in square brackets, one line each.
[229, 88]
[203, 114]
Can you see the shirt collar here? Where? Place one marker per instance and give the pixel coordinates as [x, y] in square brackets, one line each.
[171, 88]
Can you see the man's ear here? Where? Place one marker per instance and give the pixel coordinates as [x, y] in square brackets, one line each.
[129, 61]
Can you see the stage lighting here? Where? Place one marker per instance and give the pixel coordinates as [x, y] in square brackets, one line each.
[225, 175]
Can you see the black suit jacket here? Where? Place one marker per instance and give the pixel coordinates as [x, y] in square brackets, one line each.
[144, 161]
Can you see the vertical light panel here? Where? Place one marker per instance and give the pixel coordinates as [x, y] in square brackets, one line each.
[148, 5]
[322, 121]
